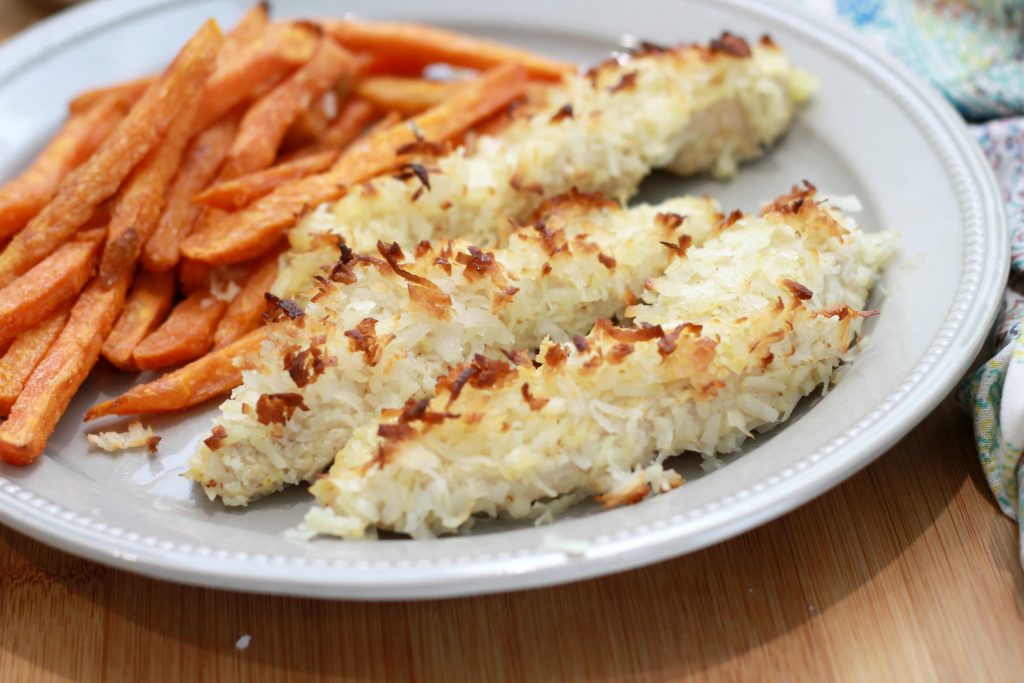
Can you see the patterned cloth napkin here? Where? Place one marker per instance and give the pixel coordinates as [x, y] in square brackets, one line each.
[973, 51]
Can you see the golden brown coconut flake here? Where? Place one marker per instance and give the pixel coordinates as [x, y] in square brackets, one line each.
[363, 338]
[305, 366]
[670, 221]
[535, 403]
[278, 309]
[478, 264]
[730, 44]
[627, 82]
[216, 438]
[629, 334]
[572, 203]
[432, 300]
[629, 497]
[798, 290]
[481, 373]
[278, 408]
[565, 112]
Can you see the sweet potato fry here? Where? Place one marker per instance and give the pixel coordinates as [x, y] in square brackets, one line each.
[244, 312]
[140, 201]
[248, 29]
[185, 335]
[204, 156]
[23, 197]
[51, 282]
[192, 274]
[407, 96]
[278, 51]
[122, 95]
[265, 124]
[55, 380]
[215, 374]
[100, 176]
[254, 230]
[25, 353]
[147, 305]
[310, 125]
[350, 122]
[234, 194]
[414, 46]
[472, 102]
[536, 98]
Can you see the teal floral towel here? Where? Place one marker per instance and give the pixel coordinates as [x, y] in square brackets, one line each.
[973, 51]
[994, 393]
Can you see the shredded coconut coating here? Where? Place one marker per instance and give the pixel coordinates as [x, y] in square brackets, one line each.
[691, 109]
[381, 329]
[726, 341]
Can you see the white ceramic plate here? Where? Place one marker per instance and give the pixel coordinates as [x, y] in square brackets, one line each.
[873, 130]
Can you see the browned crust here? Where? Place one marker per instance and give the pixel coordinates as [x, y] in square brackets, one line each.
[727, 46]
[481, 373]
[570, 204]
[628, 334]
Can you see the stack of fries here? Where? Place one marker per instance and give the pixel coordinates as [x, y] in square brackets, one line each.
[148, 230]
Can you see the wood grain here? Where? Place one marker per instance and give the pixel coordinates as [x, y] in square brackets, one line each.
[905, 572]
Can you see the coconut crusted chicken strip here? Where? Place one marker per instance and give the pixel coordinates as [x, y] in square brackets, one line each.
[379, 330]
[733, 336]
[690, 109]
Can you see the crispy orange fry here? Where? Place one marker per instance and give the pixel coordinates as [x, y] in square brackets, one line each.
[536, 98]
[185, 335]
[254, 230]
[193, 274]
[52, 281]
[25, 353]
[212, 375]
[265, 124]
[146, 307]
[280, 49]
[55, 380]
[122, 94]
[203, 158]
[413, 46]
[349, 124]
[234, 194]
[474, 101]
[141, 199]
[245, 311]
[381, 64]
[248, 29]
[100, 176]
[26, 195]
[407, 96]
[308, 127]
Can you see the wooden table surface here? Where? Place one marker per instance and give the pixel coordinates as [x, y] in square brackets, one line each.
[905, 572]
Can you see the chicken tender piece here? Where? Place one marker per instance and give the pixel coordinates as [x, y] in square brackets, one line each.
[691, 109]
[381, 329]
[727, 341]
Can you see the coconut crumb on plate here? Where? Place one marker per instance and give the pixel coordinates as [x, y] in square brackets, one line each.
[136, 436]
